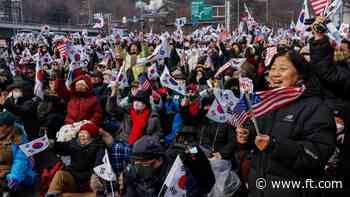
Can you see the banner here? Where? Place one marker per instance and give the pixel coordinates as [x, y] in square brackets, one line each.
[180, 22]
[100, 23]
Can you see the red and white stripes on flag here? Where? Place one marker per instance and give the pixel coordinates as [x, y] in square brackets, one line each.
[234, 63]
[274, 99]
[319, 6]
[270, 52]
[145, 84]
[264, 102]
[239, 118]
[63, 50]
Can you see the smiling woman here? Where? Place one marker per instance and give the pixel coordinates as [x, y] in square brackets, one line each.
[288, 69]
[283, 73]
[295, 140]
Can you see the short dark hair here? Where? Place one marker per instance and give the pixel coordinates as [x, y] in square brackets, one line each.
[137, 44]
[299, 62]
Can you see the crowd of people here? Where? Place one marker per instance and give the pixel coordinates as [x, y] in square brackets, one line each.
[79, 101]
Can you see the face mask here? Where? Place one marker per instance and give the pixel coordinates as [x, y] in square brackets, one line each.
[107, 81]
[340, 127]
[226, 78]
[145, 172]
[17, 94]
[133, 92]
[138, 106]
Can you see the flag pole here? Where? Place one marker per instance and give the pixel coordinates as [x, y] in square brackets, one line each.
[215, 137]
[252, 114]
[161, 190]
[112, 188]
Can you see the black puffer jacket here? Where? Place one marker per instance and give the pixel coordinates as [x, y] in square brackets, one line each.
[25, 108]
[335, 80]
[218, 136]
[302, 139]
[83, 158]
[135, 187]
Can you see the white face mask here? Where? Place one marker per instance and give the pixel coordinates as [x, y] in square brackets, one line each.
[226, 78]
[340, 127]
[17, 94]
[138, 105]
[133, 92]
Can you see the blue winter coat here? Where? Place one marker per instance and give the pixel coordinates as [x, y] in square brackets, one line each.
[173, 105]
[21, 168]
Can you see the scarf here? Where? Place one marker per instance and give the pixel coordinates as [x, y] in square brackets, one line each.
[139, 123]
[194, 108]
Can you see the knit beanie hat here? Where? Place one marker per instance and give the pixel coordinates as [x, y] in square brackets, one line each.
[91, 128]
[7, 118]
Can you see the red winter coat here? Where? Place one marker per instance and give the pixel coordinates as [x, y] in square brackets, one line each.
[80, 106]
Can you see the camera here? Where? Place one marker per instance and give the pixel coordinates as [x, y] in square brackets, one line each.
[317, 27]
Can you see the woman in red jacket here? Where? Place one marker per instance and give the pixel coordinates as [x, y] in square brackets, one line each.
[82, 103]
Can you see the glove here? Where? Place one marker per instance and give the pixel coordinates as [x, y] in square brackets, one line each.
[12, 184]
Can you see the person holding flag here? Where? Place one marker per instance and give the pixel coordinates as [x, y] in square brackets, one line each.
[16, 170]
[332, 69]
[293, 143]
[20, 102]
[138, 117]
[150, 173]
[82, 104]
[86, 151]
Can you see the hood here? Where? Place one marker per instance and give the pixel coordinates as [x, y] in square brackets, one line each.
[87, 80]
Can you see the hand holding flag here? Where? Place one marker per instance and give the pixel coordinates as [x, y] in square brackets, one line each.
[260, 103]
[36, 146]
[105, 170]
[174, 184]
[168, 81]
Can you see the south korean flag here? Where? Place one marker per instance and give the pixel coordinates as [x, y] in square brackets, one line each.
[175, 182]
[105, 170]
[168, 81]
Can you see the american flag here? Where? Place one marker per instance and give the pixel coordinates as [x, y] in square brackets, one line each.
[319, 6]
[234, 63]
[145, 84]
[63, 50]
[264, 102]
[241, 110]
[270, 52]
